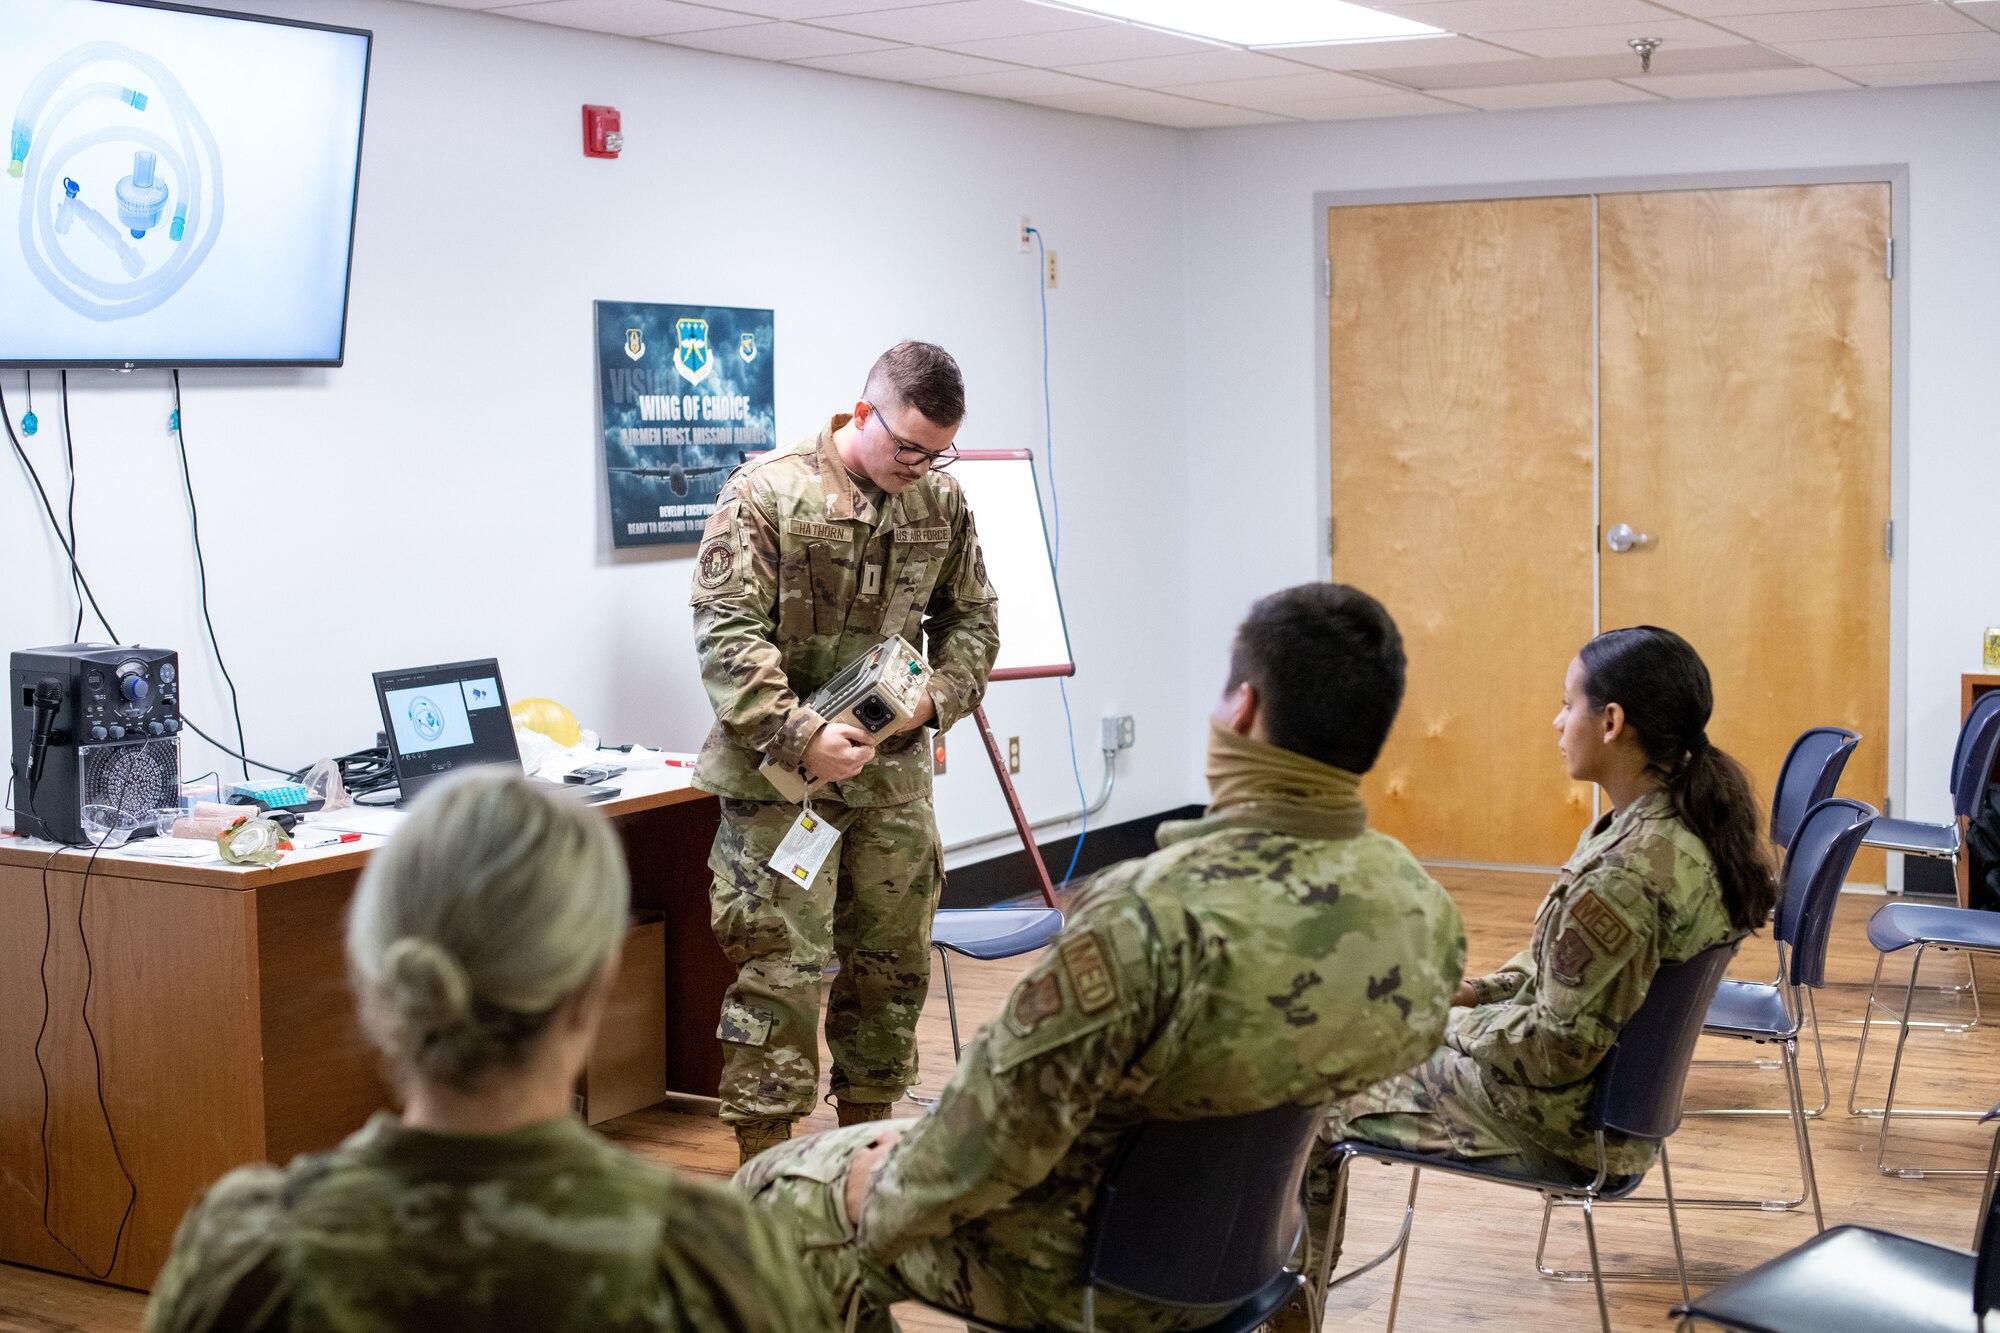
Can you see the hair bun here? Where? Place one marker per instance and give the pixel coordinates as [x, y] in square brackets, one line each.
[425, 986]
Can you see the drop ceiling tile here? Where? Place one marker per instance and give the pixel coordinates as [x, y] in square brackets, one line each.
[1925, 71]
[1016, 83]
[905, 64]
[1452, 50]
[1743, 83]
[1826, 25]
[1374, 108]
[1154, 108]
[963, 21]
[1712, 9]
[1967, 45]
[1614, 39]
[1083, 46]
[1984, 11]
[1275, 95]
[1286, 97]
[1477, 18]
[464, 4]
[1194, 67]
[777, 41]
[1576, 69]
[626, 18]
[813, 9]
[1520, 96]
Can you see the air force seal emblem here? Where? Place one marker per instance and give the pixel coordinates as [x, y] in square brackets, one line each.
[748, 346]
[635, 343]
[691, 353]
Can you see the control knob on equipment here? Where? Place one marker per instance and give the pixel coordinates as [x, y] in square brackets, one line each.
[98, 733]
[135, 689]
[117, 732]
[155, 729]
[173, 724]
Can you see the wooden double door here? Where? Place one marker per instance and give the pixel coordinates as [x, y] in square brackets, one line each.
[1516, 384]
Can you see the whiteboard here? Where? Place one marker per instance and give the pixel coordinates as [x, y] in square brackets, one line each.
[1007, 507]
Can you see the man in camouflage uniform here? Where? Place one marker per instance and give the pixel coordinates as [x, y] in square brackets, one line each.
[1514, 1079]
[542, 1228]
[813, 556]
[1275, 951]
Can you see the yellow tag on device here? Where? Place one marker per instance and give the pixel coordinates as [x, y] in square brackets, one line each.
[804, 848]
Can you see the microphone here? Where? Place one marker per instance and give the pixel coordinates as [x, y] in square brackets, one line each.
[48, 699]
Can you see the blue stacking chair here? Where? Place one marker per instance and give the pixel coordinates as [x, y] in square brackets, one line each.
[1822, 850]
[1811, 771]
[1924, 926]
[1638, 1095]
[988, 933]
[1860, 1280]
[1202, 1213]
[1971, 761]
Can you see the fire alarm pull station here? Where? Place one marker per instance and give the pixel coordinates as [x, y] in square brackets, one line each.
[601, 135]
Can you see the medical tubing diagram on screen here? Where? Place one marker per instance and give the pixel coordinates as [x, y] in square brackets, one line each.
[51, 204]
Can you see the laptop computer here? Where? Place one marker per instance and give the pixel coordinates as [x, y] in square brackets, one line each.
[443, 718]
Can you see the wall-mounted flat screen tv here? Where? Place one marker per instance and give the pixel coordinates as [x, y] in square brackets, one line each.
[179, 185]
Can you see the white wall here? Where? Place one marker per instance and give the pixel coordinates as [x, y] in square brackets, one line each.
[1254, 241]
[438, 497]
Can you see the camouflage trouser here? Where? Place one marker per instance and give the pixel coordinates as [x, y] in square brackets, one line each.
[870, 906]
[1436, 1107]
[1007, 1283]
[804, 1182]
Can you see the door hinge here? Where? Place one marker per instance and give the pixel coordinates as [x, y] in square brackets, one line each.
[1889, 258]
[1888, 807]
[1889, 540]
[1326, 278]
[1330, 522]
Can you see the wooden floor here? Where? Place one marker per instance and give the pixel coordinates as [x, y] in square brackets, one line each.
[1471, 1261]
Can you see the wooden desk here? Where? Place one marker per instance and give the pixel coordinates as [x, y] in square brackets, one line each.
[224, 1027]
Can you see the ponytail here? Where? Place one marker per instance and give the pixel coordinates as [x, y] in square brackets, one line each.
[1661, 683]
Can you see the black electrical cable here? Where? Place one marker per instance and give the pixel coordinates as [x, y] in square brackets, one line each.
[234, 754]
[96, 1055]
[201, 570]
[54, 524]
[69, 458]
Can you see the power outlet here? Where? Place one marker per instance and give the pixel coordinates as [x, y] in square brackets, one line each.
[1119, 733]
[1027, 234]
[1052, 268]
[1013, 754]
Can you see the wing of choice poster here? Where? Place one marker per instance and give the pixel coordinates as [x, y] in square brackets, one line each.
[1007, 505]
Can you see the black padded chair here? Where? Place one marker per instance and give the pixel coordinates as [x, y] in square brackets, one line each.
[1860, 1280]
[1639, 1087]
[1203, 1213]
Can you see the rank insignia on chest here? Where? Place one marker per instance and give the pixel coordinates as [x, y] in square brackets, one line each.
[1089, 975]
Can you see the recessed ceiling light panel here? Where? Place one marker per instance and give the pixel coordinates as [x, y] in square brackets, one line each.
[1262, 22]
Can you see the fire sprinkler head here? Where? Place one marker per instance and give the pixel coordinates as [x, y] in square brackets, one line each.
[1645, 46]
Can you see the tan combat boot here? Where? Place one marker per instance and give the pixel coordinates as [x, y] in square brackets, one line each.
[754, 1136]
[859, 1113]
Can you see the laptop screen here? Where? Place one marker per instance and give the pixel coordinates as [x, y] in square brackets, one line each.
[443, 718]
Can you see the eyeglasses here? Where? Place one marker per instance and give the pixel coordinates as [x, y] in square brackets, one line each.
[910, 455]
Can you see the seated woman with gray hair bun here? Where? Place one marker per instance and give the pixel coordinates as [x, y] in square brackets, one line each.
[481, 943]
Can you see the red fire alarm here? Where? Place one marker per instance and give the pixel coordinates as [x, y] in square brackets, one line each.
[601, 135]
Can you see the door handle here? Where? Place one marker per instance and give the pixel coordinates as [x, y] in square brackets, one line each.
[1621, 538]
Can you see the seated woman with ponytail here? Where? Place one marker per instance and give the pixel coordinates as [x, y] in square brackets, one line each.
[1677, 863]
[481, 944]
